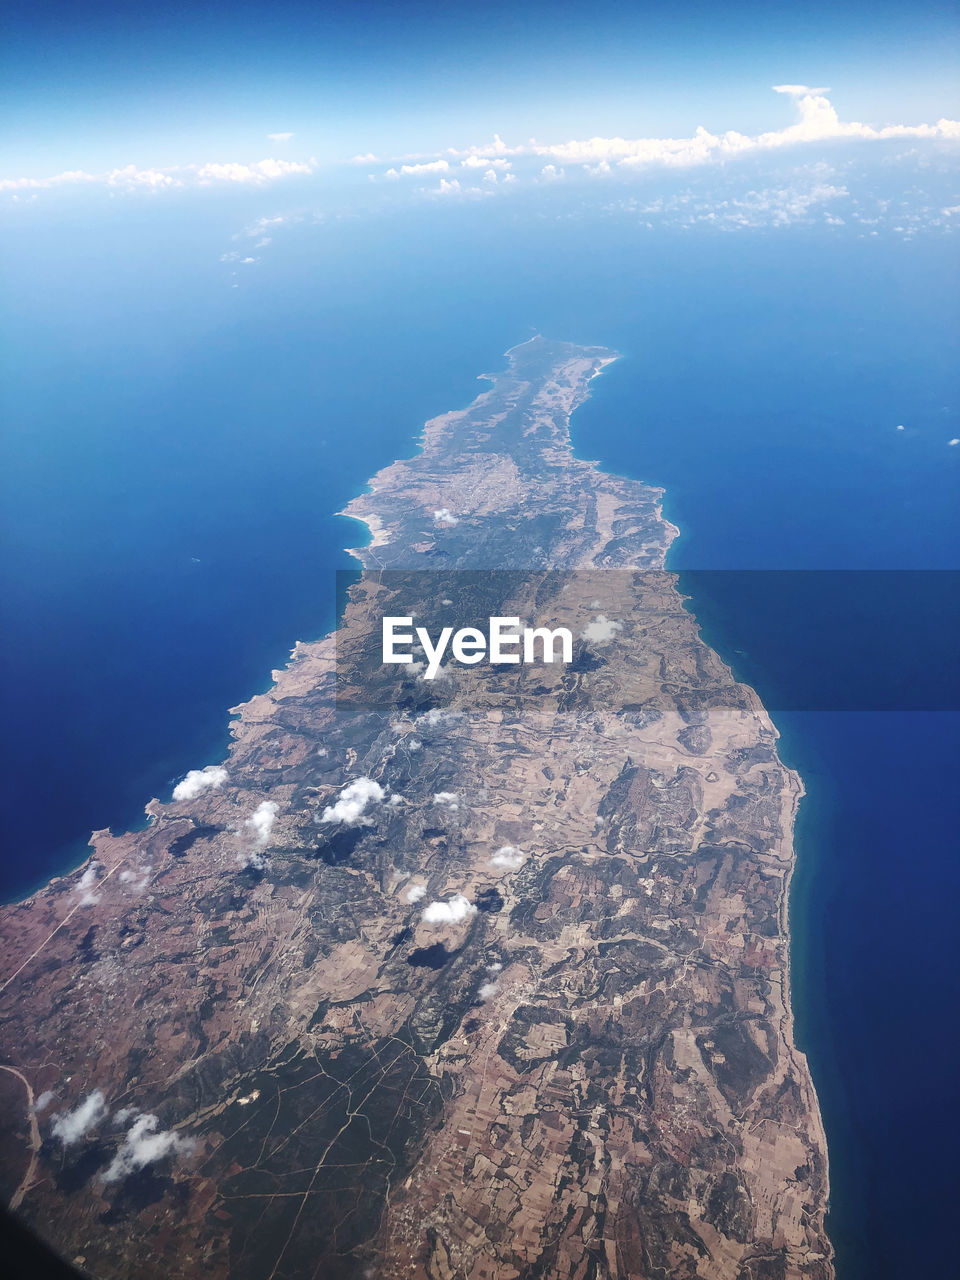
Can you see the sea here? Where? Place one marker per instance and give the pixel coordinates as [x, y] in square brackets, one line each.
[183, 429]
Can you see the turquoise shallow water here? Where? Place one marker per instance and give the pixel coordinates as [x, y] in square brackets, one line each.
[179, 448]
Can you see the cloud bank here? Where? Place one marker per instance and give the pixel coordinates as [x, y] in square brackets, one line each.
[818, 122]
[131, 178]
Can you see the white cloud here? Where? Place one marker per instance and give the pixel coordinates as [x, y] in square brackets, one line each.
[436, 715]
[484, 162]
[415, 893]
[131, 176]
[818, 122]
[255, 859]
[262, 819]
[137, 880]
[453, 911]
[797, 90]
[601, 628]
[445, 516]
[509, 858]
[486, 152]
[488, 990]
[353, 801]
[279, 137]
[143, 1145]
[43, 1101]
[68, 178]
[86, 884]
[260, 226]
[197, 781]
[417, 170]
[447, 800]
[259, 172]
[71, 1126]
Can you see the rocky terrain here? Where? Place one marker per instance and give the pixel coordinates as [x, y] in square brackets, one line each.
[479, 978]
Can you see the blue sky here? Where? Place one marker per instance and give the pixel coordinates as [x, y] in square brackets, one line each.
[95, 85]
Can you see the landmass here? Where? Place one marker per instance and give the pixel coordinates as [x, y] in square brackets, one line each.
[485, 978]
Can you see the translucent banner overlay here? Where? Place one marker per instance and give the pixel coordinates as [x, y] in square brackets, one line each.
[817, 640]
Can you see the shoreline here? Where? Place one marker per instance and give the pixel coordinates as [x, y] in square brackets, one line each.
[559, 381]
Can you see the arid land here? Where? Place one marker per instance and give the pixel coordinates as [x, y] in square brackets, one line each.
[485, 978]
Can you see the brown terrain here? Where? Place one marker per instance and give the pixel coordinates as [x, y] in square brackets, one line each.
[483, 977]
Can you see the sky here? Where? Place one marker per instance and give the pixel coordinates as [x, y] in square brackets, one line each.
[100, 86]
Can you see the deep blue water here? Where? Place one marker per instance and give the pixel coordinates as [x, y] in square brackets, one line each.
[179, 447]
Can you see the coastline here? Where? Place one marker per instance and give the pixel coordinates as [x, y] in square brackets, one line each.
[373, 523]
[615, 507]
[790, 835]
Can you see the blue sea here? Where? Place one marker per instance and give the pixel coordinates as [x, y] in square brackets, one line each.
[178, 447]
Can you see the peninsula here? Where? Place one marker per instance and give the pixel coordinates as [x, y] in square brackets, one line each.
[482, 977]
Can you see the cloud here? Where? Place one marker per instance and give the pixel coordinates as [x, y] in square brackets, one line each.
[435, 716]
[71, 1126]
[415, 893]
[138, 880]
[447, 800]
[260, 226]
[131, 176]
[210, 778]
[453, 911]
[279, 137]
[487, 151]
[262, 819]
[353, 801]
[601, 628]
[43, 1101]
[797, 90]
[488, 990]
[818, 122]
[85, 886]
[509, 858]
[416, 170]
[484, 162]
[143, 1145]
[257, 173]
[68, 178]
[445, 516]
